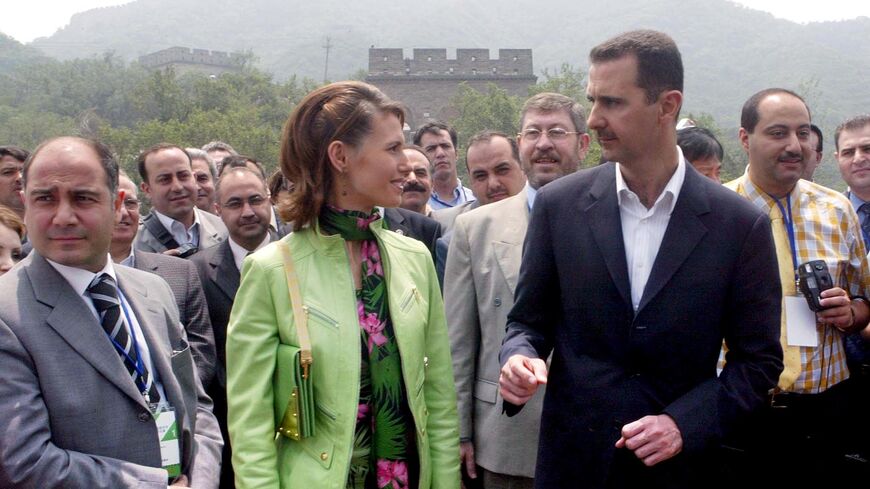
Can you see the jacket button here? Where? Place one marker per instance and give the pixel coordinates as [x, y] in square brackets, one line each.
[145, 416]
[324, 456]
[497, 301]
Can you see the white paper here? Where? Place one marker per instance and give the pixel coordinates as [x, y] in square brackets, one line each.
[800, 322]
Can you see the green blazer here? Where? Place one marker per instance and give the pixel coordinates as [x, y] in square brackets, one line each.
[262, 317]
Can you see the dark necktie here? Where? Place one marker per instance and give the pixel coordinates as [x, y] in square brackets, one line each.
[864, 217]
[104, 294]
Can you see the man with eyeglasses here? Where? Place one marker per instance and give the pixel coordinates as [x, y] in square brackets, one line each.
[178, 273]
[632, 274]
[481, 276]
[244, 206]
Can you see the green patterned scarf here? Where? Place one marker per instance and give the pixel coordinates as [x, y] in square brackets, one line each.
[384, 454]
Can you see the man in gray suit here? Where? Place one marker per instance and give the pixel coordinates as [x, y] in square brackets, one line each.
[482, 269]
[92, 397]
[175, 226]
[244, 206]
[179, 274]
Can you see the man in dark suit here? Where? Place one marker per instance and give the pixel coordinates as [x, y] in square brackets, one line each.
[415, 225]
[243, 205]
[179, 274]
[99, 387]
[632, 274]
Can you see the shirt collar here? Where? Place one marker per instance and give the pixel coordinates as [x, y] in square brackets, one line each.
[856, 201]
[168, 222]
[671, 190]
[79, 278]
[762, 199]
[531, 193]
[239, 252]
[130, 261]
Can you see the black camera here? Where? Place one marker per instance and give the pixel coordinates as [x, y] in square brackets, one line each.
[186, 250]
[813, 279]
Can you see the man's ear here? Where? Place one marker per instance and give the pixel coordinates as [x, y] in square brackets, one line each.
[671, 102]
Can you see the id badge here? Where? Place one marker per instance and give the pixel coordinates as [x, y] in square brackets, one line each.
[167, 431]
[800, 322]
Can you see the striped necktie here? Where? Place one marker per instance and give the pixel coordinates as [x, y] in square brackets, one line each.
[104, 294]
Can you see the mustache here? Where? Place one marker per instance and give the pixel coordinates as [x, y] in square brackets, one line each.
[549, 155]
[413, 187]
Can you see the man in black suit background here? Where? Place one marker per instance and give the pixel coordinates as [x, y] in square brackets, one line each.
[243, 205]
[633, 272]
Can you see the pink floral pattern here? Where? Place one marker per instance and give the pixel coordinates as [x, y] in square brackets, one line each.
[392, 474]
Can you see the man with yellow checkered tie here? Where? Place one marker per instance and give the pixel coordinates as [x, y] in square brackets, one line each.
[808, 433]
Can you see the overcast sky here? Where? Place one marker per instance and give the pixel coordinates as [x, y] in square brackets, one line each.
[26, 20]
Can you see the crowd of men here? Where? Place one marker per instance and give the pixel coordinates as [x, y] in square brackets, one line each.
[634, 323]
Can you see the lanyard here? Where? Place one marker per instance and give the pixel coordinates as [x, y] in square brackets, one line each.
[788, 220]
[139, 364]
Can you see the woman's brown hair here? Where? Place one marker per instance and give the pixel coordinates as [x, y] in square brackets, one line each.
[10, 219]
[341, 111]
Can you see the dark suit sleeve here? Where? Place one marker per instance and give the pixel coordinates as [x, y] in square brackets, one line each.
[198, 326]
[536, 309]
[754, 359]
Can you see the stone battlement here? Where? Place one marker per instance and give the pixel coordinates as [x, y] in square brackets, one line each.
[386, 63]
[182, 55]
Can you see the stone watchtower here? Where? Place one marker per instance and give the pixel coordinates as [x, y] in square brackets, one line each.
[428, 81]
[185, 60]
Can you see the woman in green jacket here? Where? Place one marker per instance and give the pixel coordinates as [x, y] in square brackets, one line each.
[385, 404]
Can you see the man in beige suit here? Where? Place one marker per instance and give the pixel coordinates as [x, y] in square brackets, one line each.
[482, 269]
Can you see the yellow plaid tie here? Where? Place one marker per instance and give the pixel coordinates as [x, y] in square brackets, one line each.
[791, 354]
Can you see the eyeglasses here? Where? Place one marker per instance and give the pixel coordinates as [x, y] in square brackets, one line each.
[554, 134]
[237, 203]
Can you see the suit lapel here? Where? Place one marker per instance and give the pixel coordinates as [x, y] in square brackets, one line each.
[684, 231]
[71, 318]
[226, 275]
[507, 243]
[396, 221]
[152, 321]
[606, 227]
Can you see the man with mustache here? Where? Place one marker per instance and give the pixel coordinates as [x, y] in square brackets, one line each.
[244, 206]
[175, 226]
[633, 272]
[438, 140]
[418, 187]
[179, 274]
[806, 422]
[481, 275]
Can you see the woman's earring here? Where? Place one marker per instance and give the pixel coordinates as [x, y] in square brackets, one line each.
[343, 179]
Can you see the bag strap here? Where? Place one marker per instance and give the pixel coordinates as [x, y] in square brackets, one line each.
[156, 228]
[300, 311]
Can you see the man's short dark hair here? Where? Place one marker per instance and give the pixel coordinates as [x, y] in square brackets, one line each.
[140, 160]
[818, 132]
[241, 161]
[435, 129]
[486, 136]
[659, 63]
[555, 102]
[235, 169]
[857, 122]
[698, 144]
[749, 115]
[104, 153]
[15, 152]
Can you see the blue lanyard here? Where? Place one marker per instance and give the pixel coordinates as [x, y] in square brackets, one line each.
[139, 364]
[788, 220]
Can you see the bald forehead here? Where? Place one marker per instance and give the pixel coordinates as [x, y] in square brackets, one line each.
[239, 176]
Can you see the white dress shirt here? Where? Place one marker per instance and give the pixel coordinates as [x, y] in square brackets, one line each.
[643, 229]
[177, 230]
[79, 279]
[239, 252]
